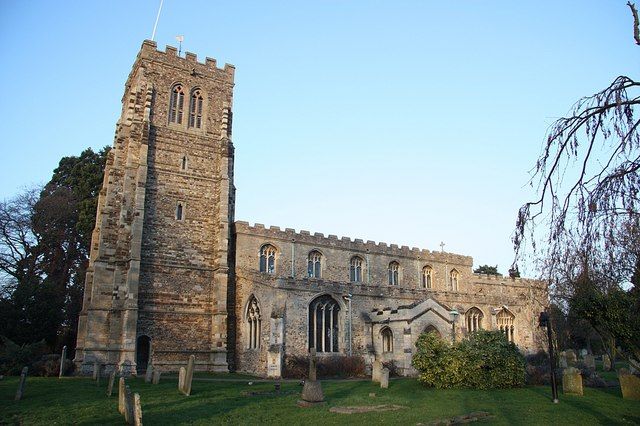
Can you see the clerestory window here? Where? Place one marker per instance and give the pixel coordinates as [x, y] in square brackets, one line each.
[427, 277]
[355, 269]
[394, 267]
[314, 264]
[268, 259]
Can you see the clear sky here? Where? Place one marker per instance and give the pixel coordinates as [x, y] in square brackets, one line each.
[408, 122]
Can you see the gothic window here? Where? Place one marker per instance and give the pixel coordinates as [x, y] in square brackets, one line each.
[427, 276]
[253, 323]
[179, 212]
[387, 340]
[355, 269]
[268, 259]
[453, 278]
[323, 324]
[314, 264]
[393, 273]
[176, 104]
[183, 163]
[505, 320]
[195, 109]
[474, 319]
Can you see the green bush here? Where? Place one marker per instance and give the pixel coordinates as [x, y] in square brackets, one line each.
[485, 360]
[13, 357]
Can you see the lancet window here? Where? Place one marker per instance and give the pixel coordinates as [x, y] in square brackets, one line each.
[253, 321]
[355, 269]
[394, 267]
[176, 104]
[387, 340]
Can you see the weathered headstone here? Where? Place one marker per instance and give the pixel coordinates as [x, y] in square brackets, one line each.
[572, 381]
[312, 391]
[384, 378]
[96, 370]
[149, 373]
[629, 384]
[128, 406]
[376, 369]
[562, 360]
[606, 362]
[571, 356]
[181, 375]
[137, 410]
[590, 362]
[112, 379]
[62, 360]
[121, 395]
[187, 376]
[22, 384]
[156, 377]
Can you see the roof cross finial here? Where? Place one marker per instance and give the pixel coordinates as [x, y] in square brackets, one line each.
[442, 244]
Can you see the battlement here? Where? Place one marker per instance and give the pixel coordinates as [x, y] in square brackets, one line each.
[506, 280]
[189, 63]
[318, 239]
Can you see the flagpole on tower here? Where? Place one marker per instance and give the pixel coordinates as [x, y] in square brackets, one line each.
[153, 34]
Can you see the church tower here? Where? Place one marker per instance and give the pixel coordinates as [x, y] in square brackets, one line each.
[158, 274]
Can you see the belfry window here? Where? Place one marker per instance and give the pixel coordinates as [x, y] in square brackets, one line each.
[505, 320]
[195, 109]
[387, 340]
[176, 104]
[323, 324]
[393, 273]
[474, 319]
[183, 163]
[253, 321]
[453, 279]
[179, 212]
[268, 259]
[427, 276]
[355, 269]
[314, 264]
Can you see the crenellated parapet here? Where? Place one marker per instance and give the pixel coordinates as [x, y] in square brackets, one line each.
[346, 243]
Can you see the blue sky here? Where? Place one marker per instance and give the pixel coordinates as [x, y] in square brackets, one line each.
[409, 122]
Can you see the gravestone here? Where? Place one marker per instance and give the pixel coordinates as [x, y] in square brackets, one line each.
[590, 362]
[112, 379]
[629, 384]
[148, 376]
[571, 356]
[128, 406]
[98, 375]
[187, 376]
[181, 375]
[137, 410]
[156, 377]
[96, 370]
[572, 381]
[376, 369]
[583, 352]
[312, 391]
[606, 362]
[384, 378]
[121, 395]
[62, 359]
[562, 360]
[22, 384]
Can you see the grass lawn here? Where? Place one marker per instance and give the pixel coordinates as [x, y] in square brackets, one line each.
[78, 401]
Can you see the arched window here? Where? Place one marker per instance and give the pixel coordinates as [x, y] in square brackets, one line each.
[179, 212]
[387, 340]
[474, 319]
[195, 109]
[268, 259]
[453, 278]
[183, 163]
[323, 324]
[393, 273]
[176, 104]
[253, 321]
[355, 269]
[314, 264]
[505, 320]
[427, 276]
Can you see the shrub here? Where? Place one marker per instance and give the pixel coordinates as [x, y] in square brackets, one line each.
[13, 357]
[485, 360]
[297, 367]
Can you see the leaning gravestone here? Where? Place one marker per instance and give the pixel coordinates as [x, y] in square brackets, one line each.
[156, 377]
[572, 382]
[149, 373]
[121, 395]
[112, 378]
[186, 378]
[22, 384]
[181, 375]
[62, 360]
[312, 391]
[137, 410]
[376, 369]
[629, 384]
[590, 362]
[384, 378]
[606, 362]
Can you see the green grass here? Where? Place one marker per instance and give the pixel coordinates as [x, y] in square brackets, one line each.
[50, 401]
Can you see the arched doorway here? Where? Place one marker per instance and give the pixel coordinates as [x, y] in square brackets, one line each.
[143, 352]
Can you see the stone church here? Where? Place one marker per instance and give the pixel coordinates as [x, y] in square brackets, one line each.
[172, 273]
